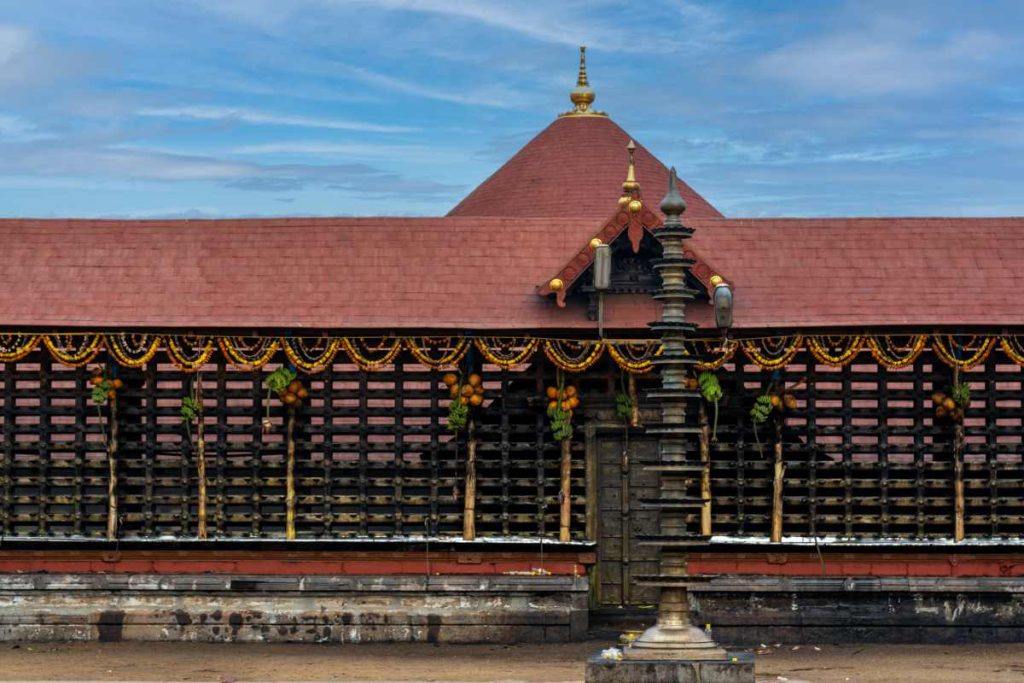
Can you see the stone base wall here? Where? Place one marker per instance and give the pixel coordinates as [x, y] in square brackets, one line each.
[313, 609]
[745, 611]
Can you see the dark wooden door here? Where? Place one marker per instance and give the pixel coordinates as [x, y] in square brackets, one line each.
[621, 484]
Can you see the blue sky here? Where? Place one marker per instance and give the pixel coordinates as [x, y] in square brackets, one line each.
[208, 108]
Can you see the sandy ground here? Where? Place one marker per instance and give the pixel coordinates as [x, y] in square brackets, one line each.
[406, 662]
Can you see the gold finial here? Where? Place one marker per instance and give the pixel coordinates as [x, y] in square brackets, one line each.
[595, 243]
[716, 280]
[582, 96]
[556, 284]
[631, 184]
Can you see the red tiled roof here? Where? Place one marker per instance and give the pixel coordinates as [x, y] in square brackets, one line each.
[825, 272]
[573, 168]
[480, 273]
[336, 273]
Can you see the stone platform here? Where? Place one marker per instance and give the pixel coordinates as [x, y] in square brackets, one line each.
[737, 668]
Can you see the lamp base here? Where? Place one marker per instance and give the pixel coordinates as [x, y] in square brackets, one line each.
[683, 642]
[732, 668]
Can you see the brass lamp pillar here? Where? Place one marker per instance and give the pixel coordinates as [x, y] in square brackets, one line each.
[674, 637]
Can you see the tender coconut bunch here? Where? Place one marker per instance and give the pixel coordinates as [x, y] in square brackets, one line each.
[104, 389]
[567, 399]
[294, 394]
[469, 394]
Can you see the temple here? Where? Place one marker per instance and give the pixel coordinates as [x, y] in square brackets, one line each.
[514, 421]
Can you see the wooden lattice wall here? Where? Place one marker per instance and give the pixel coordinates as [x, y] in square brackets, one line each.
[374, 456]
[865, 456]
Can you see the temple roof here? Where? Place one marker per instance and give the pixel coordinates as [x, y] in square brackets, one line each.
[573, 168]
[481, 273]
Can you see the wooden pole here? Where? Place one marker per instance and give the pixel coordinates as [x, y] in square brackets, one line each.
[705, 474]
[469, 500]
[776, 534]
[634, 400]
[289, 500]
[566, 503]
[958, 472]
[112, 479]
[201, 459]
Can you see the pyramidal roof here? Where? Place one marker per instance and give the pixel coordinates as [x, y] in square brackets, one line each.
[573, 168]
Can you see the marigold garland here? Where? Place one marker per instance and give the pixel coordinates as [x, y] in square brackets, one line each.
[132, 350]
[451, 352]
[506, 353]
[357, 350]
[311, 360]
[822, 348]
[636, 358]
[886, 351]
[717, 357]
[74, 351]
[573, 356]
[248, 353]
[947, 350]
[189, 353]
[1013, 349]
[14, 347]
[772, 353]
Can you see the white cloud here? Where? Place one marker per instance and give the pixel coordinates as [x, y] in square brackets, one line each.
[15, 129]
[879, 61]
[257, 117]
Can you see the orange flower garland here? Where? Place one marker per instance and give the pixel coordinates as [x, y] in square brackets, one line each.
[189, 353]
[506, 352]
[132, 350]
[947, 350]
[635, 357]
[823, 349]
[450, 353]
[248, 353]
[357, 349]
[894, 357]
[573, 356]
[717, 357]
[1013, 350]
[14, 347]
[71, 350]
[772, 353]
[310, 360]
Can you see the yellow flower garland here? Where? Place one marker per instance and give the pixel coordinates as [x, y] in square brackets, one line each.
[298, 354]
[786, 349]
[178, 357]
[503, 353]
[14, 347]
[121, 349]
[76, 357]
[420, 350]
[946, 349]
[1012, 349]
[637, 364]
[591, 353]
[882, 349]
[351, 347]
[248, 356]
[725, 353]
[821, 349]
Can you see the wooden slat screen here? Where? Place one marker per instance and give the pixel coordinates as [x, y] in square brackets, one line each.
[374, 456]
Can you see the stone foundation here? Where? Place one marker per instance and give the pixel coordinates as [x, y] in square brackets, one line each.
[320, 609]
[737, 668]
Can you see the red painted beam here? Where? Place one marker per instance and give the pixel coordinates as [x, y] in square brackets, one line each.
[848, 564]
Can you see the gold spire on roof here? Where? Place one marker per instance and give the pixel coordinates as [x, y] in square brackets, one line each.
[630, 187]
[630, 183]
[582, 96]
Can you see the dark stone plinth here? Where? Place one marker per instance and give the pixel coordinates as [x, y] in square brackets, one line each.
[737, 668]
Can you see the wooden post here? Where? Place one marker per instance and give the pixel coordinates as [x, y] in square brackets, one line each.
[201, 459]
[776, 533]
[958, 472]
[705, 474]
[289, 500]
[634, 400]
[469, 500]
[566, 502]
[112, 479]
